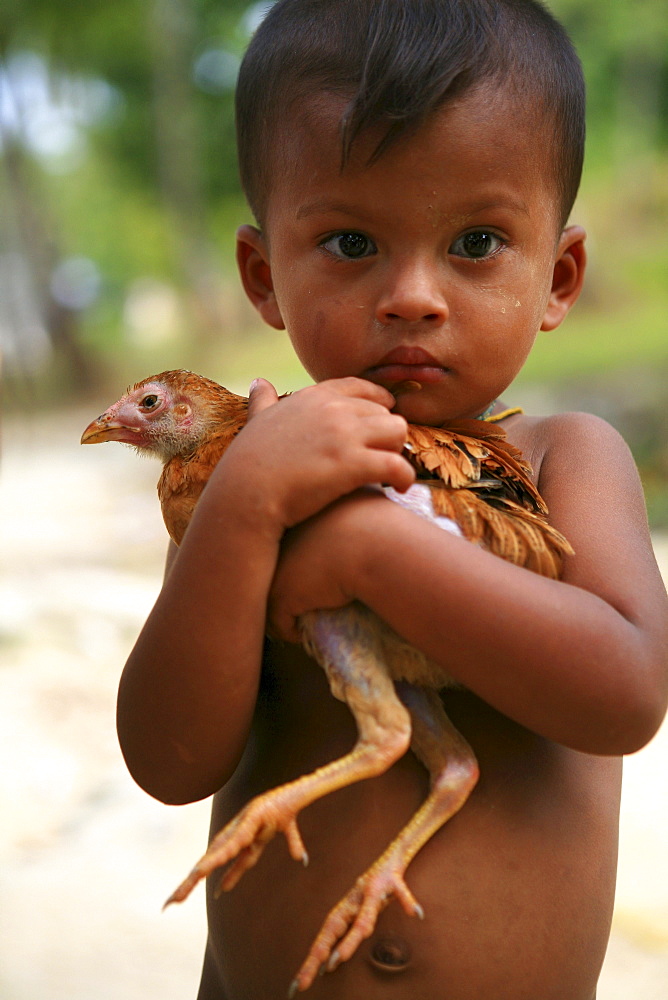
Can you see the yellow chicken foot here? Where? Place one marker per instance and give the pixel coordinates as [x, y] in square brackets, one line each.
[357, 677]
[454, 772]
[245, 837]
[353, 919]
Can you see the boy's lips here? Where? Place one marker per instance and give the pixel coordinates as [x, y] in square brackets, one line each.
[406, 363]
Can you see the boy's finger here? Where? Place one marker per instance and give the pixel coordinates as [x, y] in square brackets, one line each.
[361, 387]
[397, 472]
[260, 395]
[386, 431]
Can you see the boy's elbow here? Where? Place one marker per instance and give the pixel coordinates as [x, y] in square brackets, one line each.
[169, 777]
[175, 796]
[640, 711]
[644, 720]
[172, 786]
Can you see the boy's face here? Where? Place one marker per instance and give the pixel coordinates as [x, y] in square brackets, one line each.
[437, 264]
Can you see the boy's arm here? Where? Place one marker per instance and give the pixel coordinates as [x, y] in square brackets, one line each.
[582, 661]
[188, 691]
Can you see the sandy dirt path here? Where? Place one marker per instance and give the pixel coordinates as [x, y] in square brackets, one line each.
[86, 857]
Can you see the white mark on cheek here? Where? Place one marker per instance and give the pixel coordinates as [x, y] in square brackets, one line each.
[518, 304]
[503, 309]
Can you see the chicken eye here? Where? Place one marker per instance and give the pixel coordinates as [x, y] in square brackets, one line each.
[148, 402]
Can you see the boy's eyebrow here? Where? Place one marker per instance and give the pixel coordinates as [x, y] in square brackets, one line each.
[325, 205]
[509, 202]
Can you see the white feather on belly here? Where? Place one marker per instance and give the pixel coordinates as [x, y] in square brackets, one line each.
[418, 499]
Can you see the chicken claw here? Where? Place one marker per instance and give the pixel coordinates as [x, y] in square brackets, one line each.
[353, 919]
[245, 837]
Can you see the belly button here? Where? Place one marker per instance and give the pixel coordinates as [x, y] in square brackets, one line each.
[390, 954]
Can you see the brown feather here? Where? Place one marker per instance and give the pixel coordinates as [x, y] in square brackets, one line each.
[183, 479]
[482, 482]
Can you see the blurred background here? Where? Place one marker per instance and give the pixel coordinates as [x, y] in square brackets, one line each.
[118, 204]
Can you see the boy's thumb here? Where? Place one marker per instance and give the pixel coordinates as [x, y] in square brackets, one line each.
[260, 395]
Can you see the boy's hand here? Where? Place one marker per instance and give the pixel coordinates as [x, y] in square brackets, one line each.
[303, 452]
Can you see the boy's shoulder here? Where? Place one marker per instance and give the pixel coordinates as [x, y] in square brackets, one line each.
[569, 436]
[585, 472]
[576, 452]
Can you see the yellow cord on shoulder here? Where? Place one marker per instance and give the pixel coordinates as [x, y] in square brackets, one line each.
[495, 417]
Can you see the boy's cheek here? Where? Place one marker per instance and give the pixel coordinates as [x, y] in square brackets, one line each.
[321, 344]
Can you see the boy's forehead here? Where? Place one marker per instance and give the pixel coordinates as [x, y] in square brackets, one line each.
[319, 117]
[310, 123]
[308, 145]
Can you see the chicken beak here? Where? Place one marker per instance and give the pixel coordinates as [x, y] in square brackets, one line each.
[104, 429]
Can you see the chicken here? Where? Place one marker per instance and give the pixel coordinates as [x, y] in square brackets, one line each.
[469, 480]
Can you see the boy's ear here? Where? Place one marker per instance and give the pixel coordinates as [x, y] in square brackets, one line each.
[255, 271]
[568, 275]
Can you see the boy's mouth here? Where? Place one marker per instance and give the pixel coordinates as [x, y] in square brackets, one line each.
[406, 364]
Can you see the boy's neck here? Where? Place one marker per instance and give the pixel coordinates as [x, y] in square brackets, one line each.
[487, 412]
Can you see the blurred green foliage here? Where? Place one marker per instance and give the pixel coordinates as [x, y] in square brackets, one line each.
[120, 198]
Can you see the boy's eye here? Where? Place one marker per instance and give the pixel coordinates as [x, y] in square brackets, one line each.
[476, 245]
[350, 245]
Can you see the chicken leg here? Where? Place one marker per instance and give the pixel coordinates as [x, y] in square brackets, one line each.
[351, 653]
[453, 771]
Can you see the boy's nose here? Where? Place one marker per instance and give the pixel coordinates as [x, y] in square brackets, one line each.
[412, 294]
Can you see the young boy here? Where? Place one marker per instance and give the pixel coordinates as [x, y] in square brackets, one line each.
[411, 165]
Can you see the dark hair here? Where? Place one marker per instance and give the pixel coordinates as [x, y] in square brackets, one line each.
[397, 62]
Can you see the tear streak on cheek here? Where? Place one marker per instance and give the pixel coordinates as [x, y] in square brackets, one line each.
[311, 347]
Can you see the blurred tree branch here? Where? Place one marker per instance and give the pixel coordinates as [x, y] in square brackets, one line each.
[180, 154]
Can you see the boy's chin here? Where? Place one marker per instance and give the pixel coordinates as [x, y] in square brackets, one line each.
[421, 409]
[418, 406]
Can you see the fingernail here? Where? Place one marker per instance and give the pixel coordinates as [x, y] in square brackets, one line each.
[334, 961]
[254, 384]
